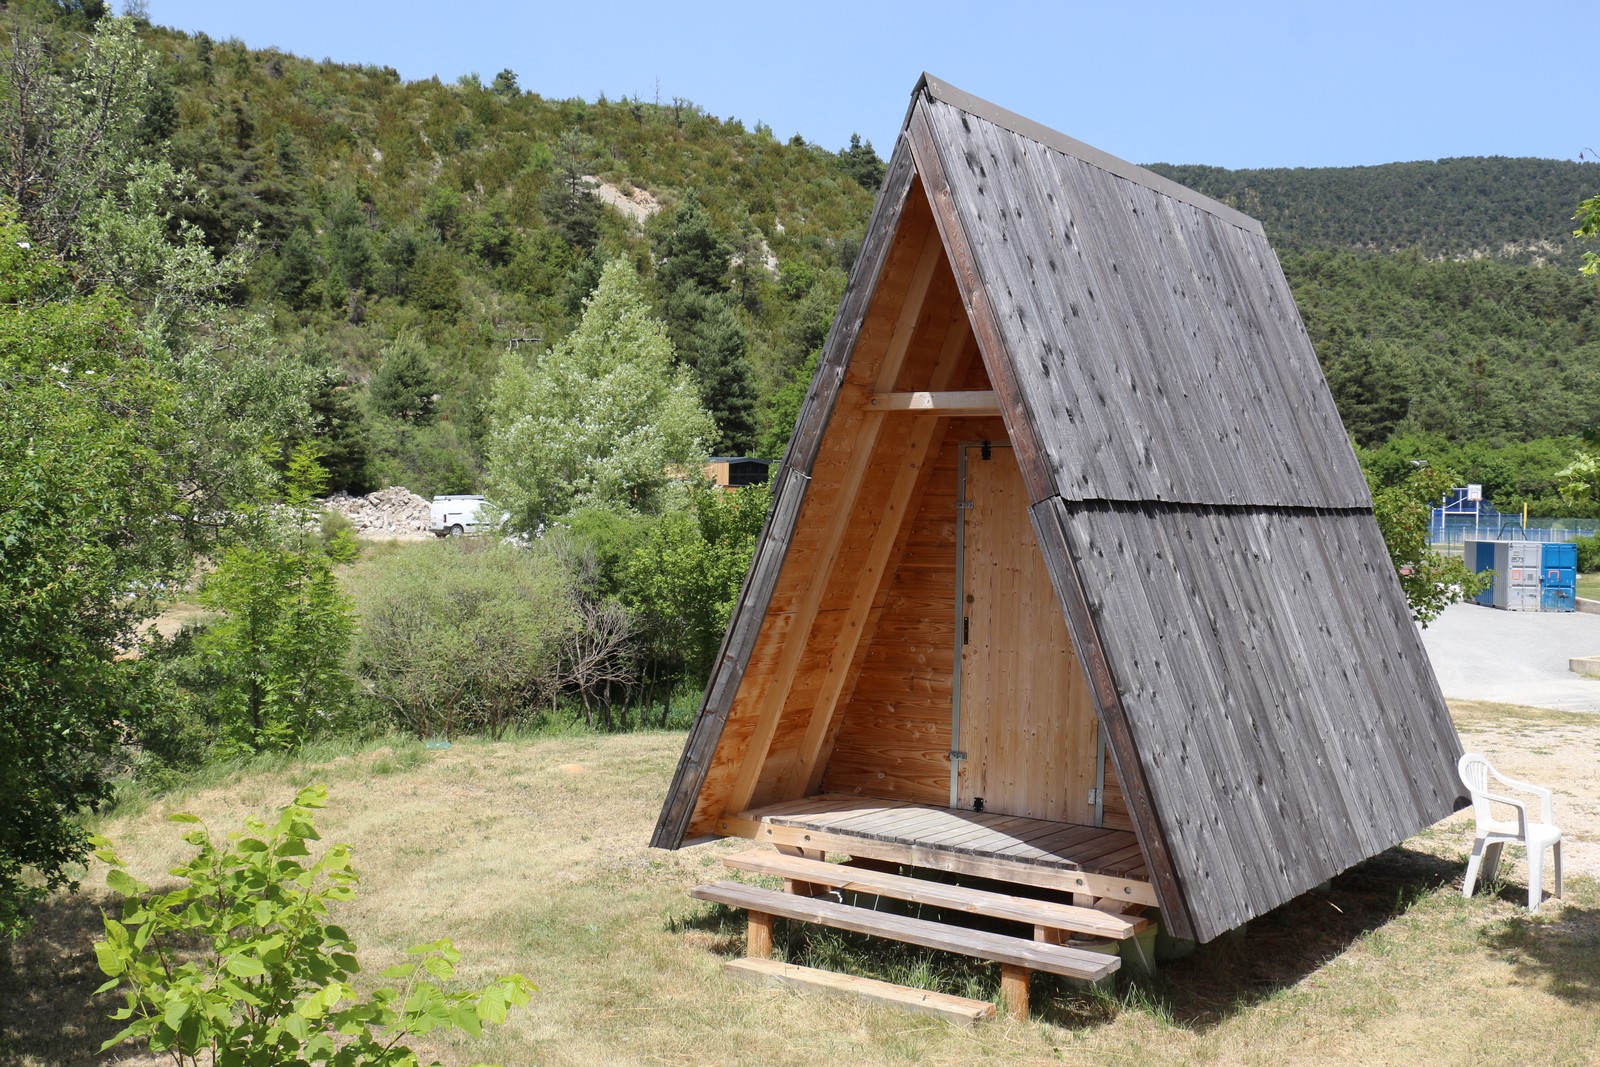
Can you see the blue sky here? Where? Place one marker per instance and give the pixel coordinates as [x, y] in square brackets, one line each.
[1235, 84]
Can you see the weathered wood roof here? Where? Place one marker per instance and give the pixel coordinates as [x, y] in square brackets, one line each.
[1156, 345]
[1268, 705]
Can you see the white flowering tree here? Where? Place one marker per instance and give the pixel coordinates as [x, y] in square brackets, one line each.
[600, 420]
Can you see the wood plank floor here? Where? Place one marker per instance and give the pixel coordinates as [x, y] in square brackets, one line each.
[1037, 842]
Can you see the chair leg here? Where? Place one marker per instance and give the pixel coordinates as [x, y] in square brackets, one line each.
[1491, 859]
[1473, 864]
[1557, 848]
[1535, 878]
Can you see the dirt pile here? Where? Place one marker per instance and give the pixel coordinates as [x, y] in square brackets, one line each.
[394, 511]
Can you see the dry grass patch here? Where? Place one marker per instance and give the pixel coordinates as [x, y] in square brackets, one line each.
[531, 855]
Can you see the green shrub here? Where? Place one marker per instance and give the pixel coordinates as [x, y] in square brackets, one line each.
[463, 636]
[1588, 554]
[240, 964]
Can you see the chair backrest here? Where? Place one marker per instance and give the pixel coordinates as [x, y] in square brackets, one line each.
[1475, 770]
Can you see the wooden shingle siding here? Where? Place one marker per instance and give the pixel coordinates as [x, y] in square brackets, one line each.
[1156, 347]
[1279, 701]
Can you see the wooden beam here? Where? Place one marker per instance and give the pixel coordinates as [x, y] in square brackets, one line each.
[1131, 890]
[1031, 456]
[1054, 959]
[1041, 914]
[758, 935]
[973, 402]
[960, 1011]
[1014, 989]
[770, 713]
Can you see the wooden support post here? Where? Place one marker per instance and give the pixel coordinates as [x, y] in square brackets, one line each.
[1014, 989]
[758, 939]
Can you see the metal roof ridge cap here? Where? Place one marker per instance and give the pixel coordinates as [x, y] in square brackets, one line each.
[1021, 125]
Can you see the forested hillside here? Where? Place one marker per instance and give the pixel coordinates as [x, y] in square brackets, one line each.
[408, 237]
[411, 234]
[1517, 210]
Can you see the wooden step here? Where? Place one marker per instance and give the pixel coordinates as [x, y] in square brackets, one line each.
[958, 1010]
[1044, 913]
[1012, 951]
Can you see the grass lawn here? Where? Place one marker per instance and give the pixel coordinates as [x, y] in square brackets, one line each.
[1589, 586]
[531, 855]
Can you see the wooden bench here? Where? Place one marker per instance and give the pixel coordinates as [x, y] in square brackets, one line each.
[1017, 957]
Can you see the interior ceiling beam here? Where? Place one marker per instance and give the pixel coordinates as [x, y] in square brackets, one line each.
[973, 402]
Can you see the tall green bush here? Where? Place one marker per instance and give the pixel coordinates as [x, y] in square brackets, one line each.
[278, 648]
[685, 576]
[1588, 554]
[463, 636]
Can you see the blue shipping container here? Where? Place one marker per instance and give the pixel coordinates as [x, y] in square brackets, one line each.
[1558, 598]
[1559, 577]
[1479, 557]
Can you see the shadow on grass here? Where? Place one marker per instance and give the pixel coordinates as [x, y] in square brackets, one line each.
[1284, 946]
[48, 1011]
[719, 928]
[1558, 951]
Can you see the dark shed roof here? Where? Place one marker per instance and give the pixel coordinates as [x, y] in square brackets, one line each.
[1156, 343]
[1268, 705]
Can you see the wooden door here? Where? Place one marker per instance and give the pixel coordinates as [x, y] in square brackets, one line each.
[1023, 714]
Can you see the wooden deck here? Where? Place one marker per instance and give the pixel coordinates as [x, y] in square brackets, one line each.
[1081, 859]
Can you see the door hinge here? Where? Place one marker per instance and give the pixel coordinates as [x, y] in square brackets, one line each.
[966, 630]
[963, 505]
[954, 755]
[1094, 797]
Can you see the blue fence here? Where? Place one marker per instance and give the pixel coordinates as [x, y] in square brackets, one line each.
[1460, 518]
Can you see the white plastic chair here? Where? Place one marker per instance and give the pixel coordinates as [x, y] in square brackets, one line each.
[1494, 834]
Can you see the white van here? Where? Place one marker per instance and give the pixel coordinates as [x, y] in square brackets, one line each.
[452, 516]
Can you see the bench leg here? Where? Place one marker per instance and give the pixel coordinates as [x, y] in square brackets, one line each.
[758, 938]
[1014, 990]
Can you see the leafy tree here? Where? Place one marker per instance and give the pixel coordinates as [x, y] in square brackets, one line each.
[70, 133]
[298, 270]
[600, 419]
[341, 433]
[573, 212]
[273, 980]
[1588, 218]
[783, 409]
[1431, 580]
[686, 575]
[1579, 481]
[278, 651]
[88, 432]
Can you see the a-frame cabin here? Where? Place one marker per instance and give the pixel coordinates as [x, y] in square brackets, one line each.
[1071, 578]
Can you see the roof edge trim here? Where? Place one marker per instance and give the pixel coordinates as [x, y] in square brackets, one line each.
[946, 93]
